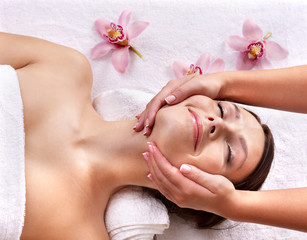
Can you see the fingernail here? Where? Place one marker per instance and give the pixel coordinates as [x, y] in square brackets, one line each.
[169, 99]
[146, 123]
[185, 168]
[136, 125]
[145, 131]
[146, 156]
[149, 176]
[150, 147]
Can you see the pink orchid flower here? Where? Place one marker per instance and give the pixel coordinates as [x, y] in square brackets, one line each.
[202, 66]
[254, 48]
[117, 38]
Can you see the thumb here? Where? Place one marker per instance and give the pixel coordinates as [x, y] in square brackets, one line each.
[184, 91]
[214, 183]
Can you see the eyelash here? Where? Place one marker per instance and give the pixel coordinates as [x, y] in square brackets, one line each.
[221, 109]
[229, 148]
[229, 154]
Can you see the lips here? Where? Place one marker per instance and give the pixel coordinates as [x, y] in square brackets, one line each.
[197, 128]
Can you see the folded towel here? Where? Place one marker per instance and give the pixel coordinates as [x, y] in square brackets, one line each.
[121, 103]
[131, 213]
[12, 165]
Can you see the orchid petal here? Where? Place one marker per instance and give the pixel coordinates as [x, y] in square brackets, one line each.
[124, 18]
[120, 59]
[264, 63]
[244, 63]
[204, 61]
[102, 25]
[136, 28]
[251, 30]
[180, 69]
[217, 66]
[275, 51]
[238, 43]
[101, 49]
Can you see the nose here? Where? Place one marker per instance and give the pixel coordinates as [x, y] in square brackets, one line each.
[216, 126]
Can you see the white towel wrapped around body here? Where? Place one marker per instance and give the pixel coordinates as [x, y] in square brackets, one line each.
[131, 213]
[12, 159]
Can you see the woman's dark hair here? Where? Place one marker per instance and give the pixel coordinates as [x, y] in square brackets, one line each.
[253, 182]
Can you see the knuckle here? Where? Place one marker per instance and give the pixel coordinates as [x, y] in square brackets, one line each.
[172, 81]
[171, 174]
[179, 91]
[196, 176]
[186, 193]
[219, 186]
[180, 201]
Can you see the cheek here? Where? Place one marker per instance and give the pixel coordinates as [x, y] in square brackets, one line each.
[210, 160]
[173, 139]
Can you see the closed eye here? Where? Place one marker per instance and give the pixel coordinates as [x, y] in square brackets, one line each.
[221, 109]
[229, 154]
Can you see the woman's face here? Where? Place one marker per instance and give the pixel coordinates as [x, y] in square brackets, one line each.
[216, 136]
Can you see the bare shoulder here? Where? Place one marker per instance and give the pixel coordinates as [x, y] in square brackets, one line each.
[52, 83]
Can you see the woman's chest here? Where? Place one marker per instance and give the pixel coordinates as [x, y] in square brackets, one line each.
[60, 202]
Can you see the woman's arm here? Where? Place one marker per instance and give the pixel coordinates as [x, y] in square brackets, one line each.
[21, 51]
[190, 187]
[282, 208]
[47, 73]
[283, 89]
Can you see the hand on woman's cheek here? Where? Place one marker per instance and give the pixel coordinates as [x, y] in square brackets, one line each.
[193, 189]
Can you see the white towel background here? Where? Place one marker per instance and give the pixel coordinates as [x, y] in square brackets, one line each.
[12, 166]
[183, 29]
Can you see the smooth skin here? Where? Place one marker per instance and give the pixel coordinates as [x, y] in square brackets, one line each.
[283, 89]
[75, 161]
[56, 98]
[72, 156]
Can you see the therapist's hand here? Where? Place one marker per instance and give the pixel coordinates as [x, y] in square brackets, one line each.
[190, 187]
[176, 91]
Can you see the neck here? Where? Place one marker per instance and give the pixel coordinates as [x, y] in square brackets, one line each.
[115, 151]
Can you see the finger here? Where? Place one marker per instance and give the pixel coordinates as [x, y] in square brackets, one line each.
[140, 123]
[179, 180]
[147, 131]
[152, 175]
[153, 109]
[159, 100]
[164, 193]
[138, 115]
[171, 174]
[175, 186]
[162, 181]
[214, 183]
[188, 88]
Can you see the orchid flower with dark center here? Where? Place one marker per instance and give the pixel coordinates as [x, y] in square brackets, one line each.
[254, 48]
[117, 38]
[202, 66]
[194, 70]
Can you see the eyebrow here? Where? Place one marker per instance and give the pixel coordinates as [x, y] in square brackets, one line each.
[241, 139]
[245, 150]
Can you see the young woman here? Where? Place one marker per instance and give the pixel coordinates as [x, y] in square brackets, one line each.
[75, 160]
[283, 89]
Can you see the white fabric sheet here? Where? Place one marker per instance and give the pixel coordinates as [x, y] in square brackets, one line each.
[12, 156]
[183, 30]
